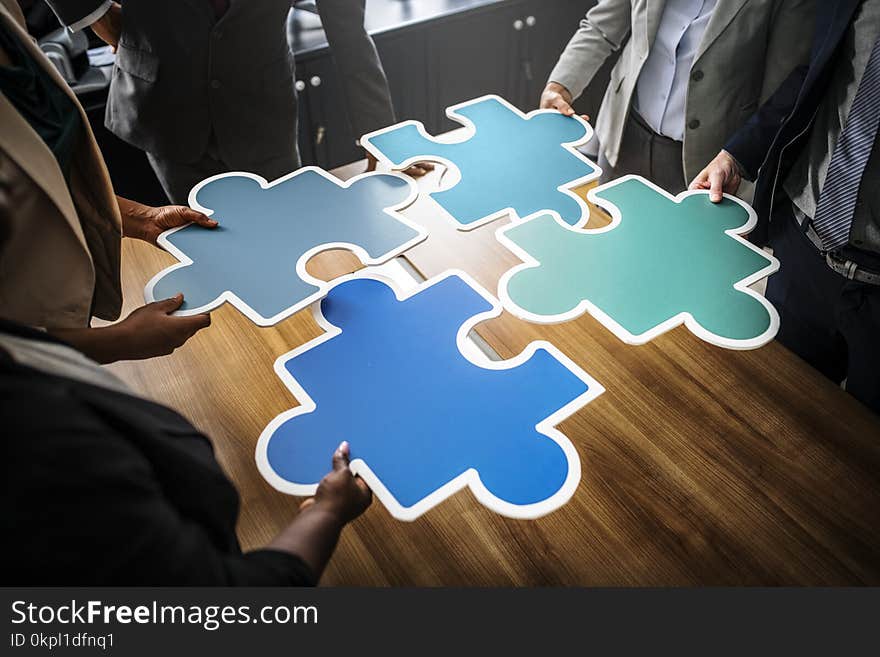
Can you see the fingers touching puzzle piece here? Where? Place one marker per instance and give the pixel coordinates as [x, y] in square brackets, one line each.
[509, 161]
[257, 256]
[663, 261]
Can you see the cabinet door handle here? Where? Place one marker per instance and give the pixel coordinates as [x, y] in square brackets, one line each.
[531, 20]
[299, 85]
[315, 81]
[319, 135]
[518, 25]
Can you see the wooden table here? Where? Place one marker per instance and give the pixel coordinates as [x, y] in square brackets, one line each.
[700, 465]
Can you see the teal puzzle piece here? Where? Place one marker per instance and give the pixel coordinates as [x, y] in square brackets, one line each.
[661, 262]
[510, 161]
[256, 258]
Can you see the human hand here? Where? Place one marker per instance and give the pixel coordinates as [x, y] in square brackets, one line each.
[340, 493]
[109, 26]
[720, 176]
[152, 330]
[557, 97]
[146, 223]
[417, 170]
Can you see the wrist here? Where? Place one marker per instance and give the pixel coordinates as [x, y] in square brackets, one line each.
[134, 218]
[328, 513]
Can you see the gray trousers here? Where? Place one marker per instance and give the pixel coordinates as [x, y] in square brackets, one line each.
[645, 153]
[178, 178]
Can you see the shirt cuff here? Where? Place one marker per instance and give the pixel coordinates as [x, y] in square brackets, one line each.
[96, 15]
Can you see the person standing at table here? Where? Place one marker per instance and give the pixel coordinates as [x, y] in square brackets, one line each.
[814, 149]
[689, 74]
[207, 86]
[61, 225]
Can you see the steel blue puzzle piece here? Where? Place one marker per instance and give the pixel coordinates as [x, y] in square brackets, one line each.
[422, 420]
[256, 258]
[663, 261]
[511, 161]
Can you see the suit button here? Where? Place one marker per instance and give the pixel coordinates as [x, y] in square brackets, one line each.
[215, 84]
[697, 75]
[694, 124]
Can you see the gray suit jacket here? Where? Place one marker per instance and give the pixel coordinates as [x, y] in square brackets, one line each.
[180, 74]
[749, 48]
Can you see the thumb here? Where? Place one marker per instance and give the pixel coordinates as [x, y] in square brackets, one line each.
[171, 304]
[199, 218]
[716, 186]
[341, 456]
[563, 107]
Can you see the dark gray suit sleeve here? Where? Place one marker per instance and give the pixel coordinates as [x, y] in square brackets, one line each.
[70, 12]
[367, 96]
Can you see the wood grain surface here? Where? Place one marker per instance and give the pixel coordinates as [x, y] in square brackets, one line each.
[700, 465]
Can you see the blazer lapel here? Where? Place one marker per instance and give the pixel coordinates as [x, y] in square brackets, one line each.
[725, 12]
[24, 145]
[653, 14]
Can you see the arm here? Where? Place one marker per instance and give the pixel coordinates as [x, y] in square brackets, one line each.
[364, 84]
[601, 32]
[81, 481]
[151, 330]
[367, 96]
[744, 153]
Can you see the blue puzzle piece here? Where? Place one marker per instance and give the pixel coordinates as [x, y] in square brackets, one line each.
[257, 256]
[423, 421]
[510, 162]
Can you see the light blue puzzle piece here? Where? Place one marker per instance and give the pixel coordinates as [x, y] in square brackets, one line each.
[510, 161]
[662, 261]
[256, 258]
[422, 420]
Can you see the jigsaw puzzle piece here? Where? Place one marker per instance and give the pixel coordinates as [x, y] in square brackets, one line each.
[423, 420]
[510, 161]
[256, 257]
[660, 263]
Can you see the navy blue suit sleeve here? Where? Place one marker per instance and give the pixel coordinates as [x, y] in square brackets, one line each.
[750, 144]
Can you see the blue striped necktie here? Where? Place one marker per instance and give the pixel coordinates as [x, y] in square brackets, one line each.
[837, 200]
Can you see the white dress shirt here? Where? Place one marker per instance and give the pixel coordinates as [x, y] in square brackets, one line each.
[661, 92]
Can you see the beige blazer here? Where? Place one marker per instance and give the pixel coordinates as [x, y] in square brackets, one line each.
[59, 243]
[748, 49]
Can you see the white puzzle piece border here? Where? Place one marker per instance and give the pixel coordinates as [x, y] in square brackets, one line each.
[323, 286]
[450, 182]
[468, 479]
[585, 306]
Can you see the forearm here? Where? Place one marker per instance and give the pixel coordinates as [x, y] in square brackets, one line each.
[103, 345]
[364, 84]
[601, 32]
[312, 536]
[133, 215]
[750, 144]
